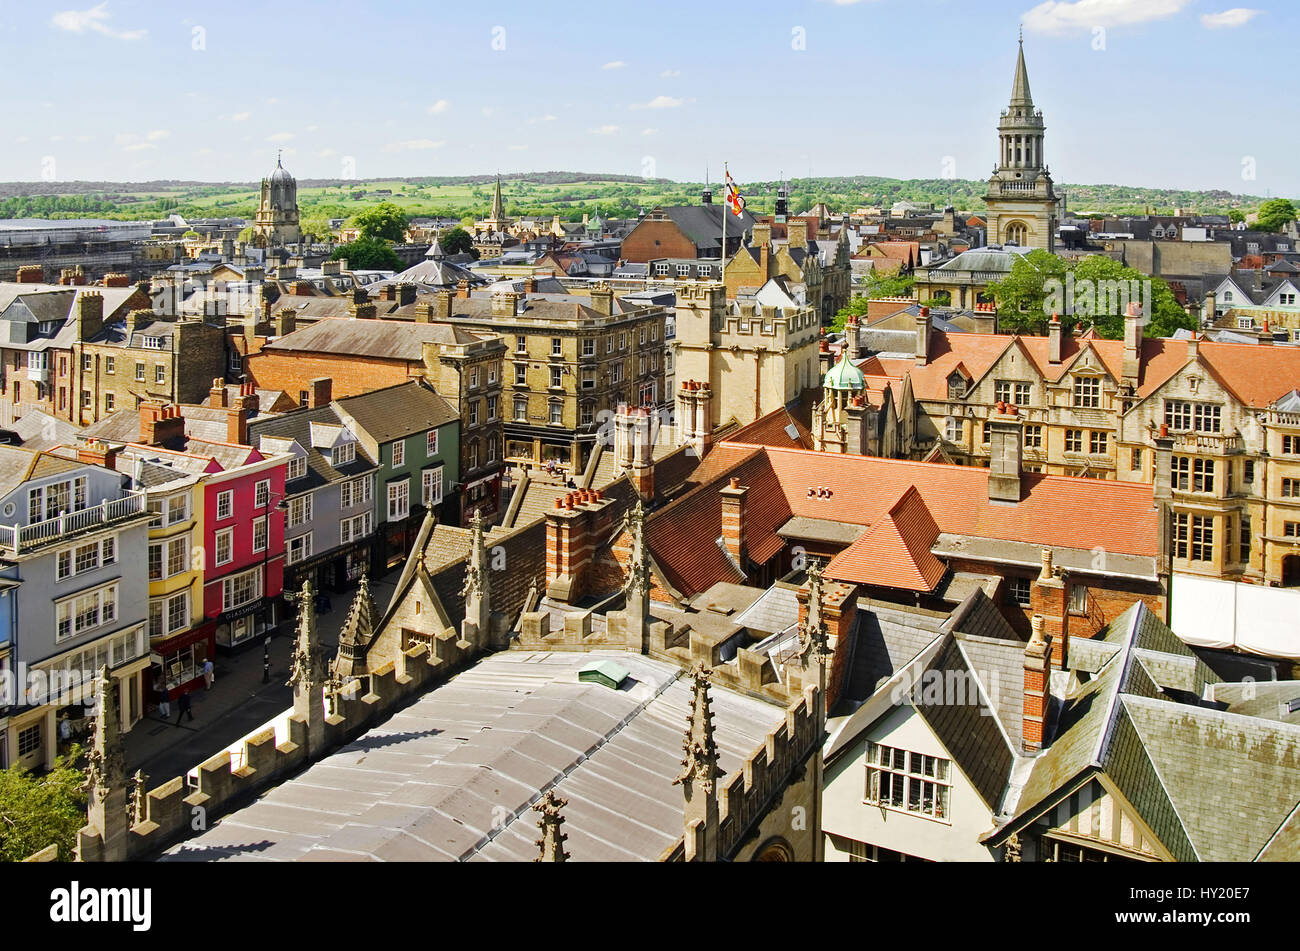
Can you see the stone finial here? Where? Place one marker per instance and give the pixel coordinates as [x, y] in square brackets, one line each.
[552, 841]
[700, 765]
[138, 800]
[814, 643]
[106, 763]
[358, 629]
[475, 576]
[306, 670]
[1011, 853]
[638, 568]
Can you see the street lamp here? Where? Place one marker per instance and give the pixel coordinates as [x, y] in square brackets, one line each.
[280, 506]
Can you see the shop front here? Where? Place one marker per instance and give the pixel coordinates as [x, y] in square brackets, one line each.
[482, 496]
[335, 570]
[396, 539]
[176, 664]
[241, 626]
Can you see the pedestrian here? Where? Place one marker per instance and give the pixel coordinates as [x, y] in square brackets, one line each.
[164, 704]
[183, 707]
[208, 674]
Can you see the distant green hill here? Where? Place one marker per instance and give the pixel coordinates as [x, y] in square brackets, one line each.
[568, 194]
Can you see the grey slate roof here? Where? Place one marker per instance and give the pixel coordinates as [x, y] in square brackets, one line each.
[436, 780]
[887, 638]
[385, 339]
[396, 412]
[296, 425]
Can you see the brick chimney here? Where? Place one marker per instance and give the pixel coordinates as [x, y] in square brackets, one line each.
[1006, 441]
[853, 337]
[796, 230]
[96, 452]
[117, 280]
[643, 467]
[248, 399]
[579, 522]
[462, 288]
[217, 395]
[602, 299]
[530, 285]
[1054, 341]
[90, 314]
[237, 424]
[1133, 325]
[161, 425]
[405, 294]
[31, 274]
[303, 289]
[923, 337]
[285, 323]
[505, 304]
[734, 505]
[319, 392]
[1037, 693]
[443, 306]
[762, 241]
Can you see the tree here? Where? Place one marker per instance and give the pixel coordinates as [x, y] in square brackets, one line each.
[1236, 216]
[1022, 294]
[456, 241]
[1276, 214]
[368, 254]
[40, 811]
[385, 220]
[875, 287]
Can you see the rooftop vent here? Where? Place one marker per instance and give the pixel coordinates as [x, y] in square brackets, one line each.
[603, 672]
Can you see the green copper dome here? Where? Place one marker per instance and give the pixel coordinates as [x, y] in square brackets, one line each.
[844, 375]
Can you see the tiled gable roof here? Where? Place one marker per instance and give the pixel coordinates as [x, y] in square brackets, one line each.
[895, 552]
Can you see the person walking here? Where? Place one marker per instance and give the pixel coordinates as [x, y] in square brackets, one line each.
[164, 704]
[183, 708]
[209, 674]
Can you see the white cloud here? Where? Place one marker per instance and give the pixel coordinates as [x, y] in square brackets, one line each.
[22, 139]
[439, 107]
[132, 142]
[96, 19]
[604, 130]
[616, 64]
[649, 131]
[546, 118]
[413, 145]
[670, 74]
[1060, 16]
[240, 117]
[157, 135]
[327, 153]
[488, 110]
[660, 102]
[313, 128]
[280, 137]
[1237, 16]
[140, 147]
[518, 148]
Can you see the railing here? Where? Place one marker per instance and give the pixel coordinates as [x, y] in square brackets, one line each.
[18, 538]
[1208, 443]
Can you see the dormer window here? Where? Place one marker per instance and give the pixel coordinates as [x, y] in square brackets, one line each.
[343, 454]
[956, 386]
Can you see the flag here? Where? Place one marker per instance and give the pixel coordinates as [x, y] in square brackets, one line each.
[734, 199]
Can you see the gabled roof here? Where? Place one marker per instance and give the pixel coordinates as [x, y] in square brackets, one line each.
[396, 412]
[895, 552]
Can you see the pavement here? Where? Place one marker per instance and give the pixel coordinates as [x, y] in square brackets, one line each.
[239, 702]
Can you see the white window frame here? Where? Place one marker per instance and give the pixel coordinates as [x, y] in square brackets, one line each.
[399, 499]
[225, 504]
[262, 494]
[431, 486]
[399, 454]
[431, 443]
[66, 611]
[228, 585]
[228, 536]
[297, 549]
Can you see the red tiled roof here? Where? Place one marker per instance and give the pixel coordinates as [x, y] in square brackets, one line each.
[895, 552]
[1257, 375]
[770, 430]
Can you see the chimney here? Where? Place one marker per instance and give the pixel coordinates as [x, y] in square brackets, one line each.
[762, 241]
[530, 285]
[462, 289]
[1265, 335]
[505, 304]
[98, 453]
[330, 268]
[573, 528]
[405, 294]
[1037, 694]
[1054, 341]
[602, 299]
[137, 319]
[285, 323]
[117, 280]
[734, 505]
[852, 337]
[237, 424]
[31, 274]
[1133, 324]
[923, 337]
[643, 468]
[217, 395]
[796, 230]
[90, 314]
[303, 289]
[161, 425]
[443, 306]
[319, 392]
[1194, 348]
[1006, 439]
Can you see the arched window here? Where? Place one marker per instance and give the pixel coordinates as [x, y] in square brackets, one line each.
[1017, 233]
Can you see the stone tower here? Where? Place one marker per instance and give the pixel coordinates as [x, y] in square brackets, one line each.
[276, 224]
[843, 421]
[1022, 203]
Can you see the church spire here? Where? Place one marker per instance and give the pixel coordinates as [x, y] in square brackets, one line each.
[1020, 94]
[358, 628]
[498, 206]
[551, 843]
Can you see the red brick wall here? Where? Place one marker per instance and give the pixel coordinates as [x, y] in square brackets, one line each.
[656, 239]
[351, 375]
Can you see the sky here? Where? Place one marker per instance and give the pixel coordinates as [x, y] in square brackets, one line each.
[1157, 93]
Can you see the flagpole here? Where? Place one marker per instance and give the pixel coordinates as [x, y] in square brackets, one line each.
[726, 197]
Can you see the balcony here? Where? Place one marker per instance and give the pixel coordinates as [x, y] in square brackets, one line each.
[18, 540]
[1208, 444]
[38, 374]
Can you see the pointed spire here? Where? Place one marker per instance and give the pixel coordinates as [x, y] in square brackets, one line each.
[106, 766]
[498, 206]
[474, 571]
[552, 841]
[638, 568]
[700, 766]
[435, 251]
[814, 644]
[309, 672]
[1020, 94]
[358, 629]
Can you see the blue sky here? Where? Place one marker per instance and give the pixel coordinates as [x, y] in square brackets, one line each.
[1164, 93]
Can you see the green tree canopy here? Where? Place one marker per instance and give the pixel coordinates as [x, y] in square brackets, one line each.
[875, 287]
[368, 254]
[1276, 214]
[39, 811]
[385, 220]
[1093, 291]
[456, 241]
